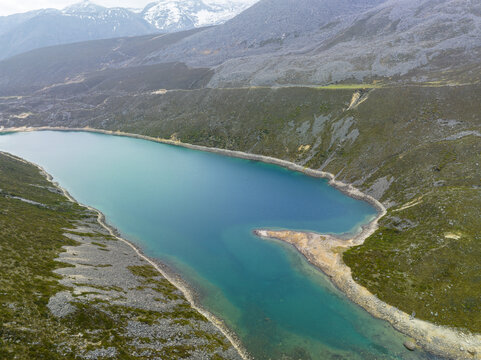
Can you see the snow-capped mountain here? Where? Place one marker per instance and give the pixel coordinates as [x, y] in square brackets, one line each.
[88, 21]
[84, 7]
[79, 22]
[118, 21]
[175, 15]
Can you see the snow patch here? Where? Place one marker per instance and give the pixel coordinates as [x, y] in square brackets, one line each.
[174, 15]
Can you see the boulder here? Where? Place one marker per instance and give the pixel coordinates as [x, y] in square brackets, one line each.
[410, 345]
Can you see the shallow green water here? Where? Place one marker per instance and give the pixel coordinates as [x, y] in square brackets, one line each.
[196, 211]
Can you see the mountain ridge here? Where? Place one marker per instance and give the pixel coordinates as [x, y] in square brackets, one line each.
[85, 21]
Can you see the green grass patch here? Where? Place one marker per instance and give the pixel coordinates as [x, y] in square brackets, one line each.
[349, 86]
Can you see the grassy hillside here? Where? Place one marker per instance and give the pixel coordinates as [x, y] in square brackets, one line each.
[100, 321]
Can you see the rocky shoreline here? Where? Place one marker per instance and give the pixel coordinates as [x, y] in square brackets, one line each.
[325, 252]
[102, 272]
[177, 281]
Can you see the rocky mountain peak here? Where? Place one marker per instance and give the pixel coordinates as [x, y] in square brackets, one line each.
[83, 7]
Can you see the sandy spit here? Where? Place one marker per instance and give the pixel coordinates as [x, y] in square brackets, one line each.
[325, 252]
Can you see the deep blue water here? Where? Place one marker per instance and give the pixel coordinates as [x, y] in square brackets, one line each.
[196, 211]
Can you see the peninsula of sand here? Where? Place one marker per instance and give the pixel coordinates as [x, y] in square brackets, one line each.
[325, 252]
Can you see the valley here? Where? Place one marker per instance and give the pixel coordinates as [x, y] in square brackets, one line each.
[383, 95]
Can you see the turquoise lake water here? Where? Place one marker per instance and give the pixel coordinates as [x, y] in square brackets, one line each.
[196, 211]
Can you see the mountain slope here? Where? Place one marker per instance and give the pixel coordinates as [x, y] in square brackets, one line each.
[84, 21]
[76, 64]
[270, 25]
[319, 41]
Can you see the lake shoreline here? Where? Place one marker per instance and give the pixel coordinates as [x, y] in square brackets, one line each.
[324, 252]
[169, 274]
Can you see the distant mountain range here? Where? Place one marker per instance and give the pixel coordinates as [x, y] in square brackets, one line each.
[88, 21]
[272, 43]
